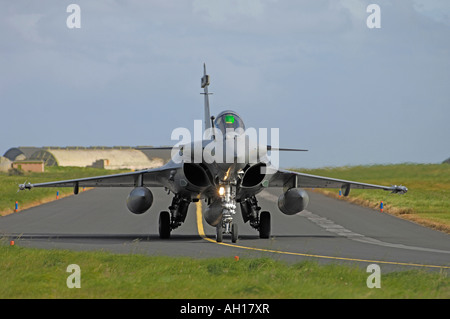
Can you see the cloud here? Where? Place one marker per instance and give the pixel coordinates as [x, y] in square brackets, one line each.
[217, 11]
[311, 66]
[356, 8]
[27, 27]
[438, 10]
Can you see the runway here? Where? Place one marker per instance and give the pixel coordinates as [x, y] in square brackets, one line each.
[329, 230]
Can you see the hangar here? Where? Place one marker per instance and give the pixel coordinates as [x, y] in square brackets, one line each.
[116, 157]
[20, 153]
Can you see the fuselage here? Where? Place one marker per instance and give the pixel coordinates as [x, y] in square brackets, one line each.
[227, 155]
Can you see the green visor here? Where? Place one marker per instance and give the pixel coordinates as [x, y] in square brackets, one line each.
[229, 119]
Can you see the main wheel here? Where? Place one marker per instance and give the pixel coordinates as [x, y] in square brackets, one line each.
[264, 225]
[164, 225]
[234, 233]
[219, 233]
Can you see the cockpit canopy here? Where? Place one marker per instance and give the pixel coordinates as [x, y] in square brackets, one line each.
[228, 120]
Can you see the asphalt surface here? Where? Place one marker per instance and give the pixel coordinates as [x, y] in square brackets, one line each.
[329, 230]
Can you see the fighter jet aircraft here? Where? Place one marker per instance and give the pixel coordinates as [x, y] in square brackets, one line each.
[216, 171]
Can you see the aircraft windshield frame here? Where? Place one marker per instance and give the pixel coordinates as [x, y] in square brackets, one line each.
[228, 120]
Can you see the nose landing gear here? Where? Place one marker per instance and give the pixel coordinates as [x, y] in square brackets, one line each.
[226, 225]
[229, 228]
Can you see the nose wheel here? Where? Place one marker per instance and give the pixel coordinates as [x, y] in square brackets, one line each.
[230, 228]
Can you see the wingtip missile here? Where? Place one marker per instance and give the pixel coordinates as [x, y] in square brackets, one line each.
[399, 189]
[270, 148]
[25, 186]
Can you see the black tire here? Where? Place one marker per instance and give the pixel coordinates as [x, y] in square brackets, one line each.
[234, 233]
[164, 225]
[264, 225]
[219, 233]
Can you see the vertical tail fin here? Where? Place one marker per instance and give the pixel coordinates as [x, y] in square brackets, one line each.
[205, 84]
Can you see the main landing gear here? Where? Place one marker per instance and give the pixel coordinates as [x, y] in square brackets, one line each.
[258, 220]
[261, 221]
[168, 221]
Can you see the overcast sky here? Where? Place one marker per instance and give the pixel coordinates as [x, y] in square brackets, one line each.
[131, 74]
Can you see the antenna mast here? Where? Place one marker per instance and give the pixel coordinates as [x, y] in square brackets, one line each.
[204, 85]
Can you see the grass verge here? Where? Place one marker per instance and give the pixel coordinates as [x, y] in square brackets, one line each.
[35, 273]
[427, 201]
[37, 196]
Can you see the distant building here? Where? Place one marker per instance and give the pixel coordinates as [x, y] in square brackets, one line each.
[117, 157]
[5, 164]
[29, 166]
[20, 153]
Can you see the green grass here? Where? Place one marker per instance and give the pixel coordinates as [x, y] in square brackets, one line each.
[34, 273]
[9, 186]
[427, 200]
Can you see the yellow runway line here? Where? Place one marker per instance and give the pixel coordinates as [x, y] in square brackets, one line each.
[201, 232]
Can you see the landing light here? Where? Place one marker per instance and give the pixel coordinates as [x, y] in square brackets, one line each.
[221, 190]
